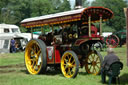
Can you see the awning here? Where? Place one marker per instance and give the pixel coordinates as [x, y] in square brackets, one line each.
[69, 16]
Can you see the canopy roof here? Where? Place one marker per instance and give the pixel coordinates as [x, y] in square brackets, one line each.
[69, 16]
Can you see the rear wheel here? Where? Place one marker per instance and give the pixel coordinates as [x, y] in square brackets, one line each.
[35, 56]
[93, 62]
[69, 64]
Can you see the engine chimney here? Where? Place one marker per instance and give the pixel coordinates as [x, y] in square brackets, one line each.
[78, 4]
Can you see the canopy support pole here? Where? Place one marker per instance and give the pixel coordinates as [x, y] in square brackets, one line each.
[100, 25]
[127, 32]
[89, 23]
[52, 29]
[42, 30]
[31, 33]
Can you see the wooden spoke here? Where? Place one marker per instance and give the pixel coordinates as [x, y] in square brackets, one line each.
[90, 67]
[94, 68]
[98, 66]
[89, 59]
[97, 58]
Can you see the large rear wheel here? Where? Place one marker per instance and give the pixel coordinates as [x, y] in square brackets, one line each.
[69, 64]
[93, 62]
[35, 56]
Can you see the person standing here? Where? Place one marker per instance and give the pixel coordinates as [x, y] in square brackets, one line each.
[13, 49]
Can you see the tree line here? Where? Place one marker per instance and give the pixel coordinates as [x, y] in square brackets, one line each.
[14, 11]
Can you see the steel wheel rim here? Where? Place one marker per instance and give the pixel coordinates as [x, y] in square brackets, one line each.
[93, 63]
[32, 55]
[68, 65]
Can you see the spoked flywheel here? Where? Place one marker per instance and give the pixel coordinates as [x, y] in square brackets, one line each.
[93, 62]
[69, 64]
[35, 56]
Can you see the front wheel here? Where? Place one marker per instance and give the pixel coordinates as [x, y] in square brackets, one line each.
[93, 62]
[69, 64]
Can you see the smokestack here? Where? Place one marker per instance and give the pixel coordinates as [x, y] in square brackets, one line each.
[78, 4]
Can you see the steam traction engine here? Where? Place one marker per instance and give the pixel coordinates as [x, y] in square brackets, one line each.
[69, 44]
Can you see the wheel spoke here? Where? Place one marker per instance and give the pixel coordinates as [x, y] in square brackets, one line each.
[72, 66]
[66, 67]
[34, 52]
[94, 69]
[64, 64]
[32, 60]
[93, 56]
[69, 72]
[38, 52]
[90, 67]
[98, 62]
[68, 56]
[89, 59]
[70, 59]
[66, 61]
[97, 59]
[97, 66]
[73, 61]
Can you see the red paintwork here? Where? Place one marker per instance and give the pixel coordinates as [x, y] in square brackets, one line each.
[80, 41]
[95, 13]
[94, 29]
[85, 38]
[57, 56]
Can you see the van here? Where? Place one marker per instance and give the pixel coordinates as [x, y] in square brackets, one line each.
[8, 28]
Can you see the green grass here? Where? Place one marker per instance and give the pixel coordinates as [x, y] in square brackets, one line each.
[11, 59]
[17, 75]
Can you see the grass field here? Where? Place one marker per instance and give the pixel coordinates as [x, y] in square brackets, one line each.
[13, 72]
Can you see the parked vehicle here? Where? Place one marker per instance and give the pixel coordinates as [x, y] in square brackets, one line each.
[20, 38]
[69, 44]
[8, 28]
[5, 42]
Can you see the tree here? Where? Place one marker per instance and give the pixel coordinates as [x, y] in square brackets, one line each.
[118, 21]
[4, 11]
[64, 6]
[85, 3]
[14, 11]
[41, 7]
